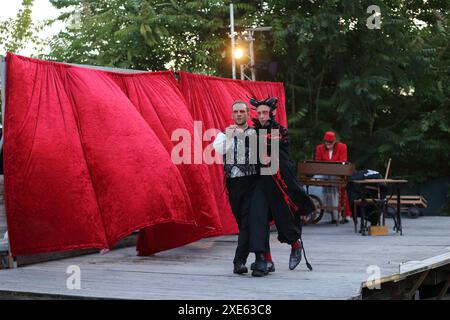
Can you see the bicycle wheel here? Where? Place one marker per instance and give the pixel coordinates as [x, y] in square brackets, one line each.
[317, 214]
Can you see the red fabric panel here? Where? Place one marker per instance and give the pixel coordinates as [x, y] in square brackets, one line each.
[82, 167]
[131, 170]
[216, 95]
[50, 201]
[87, 157]
[209, 100]
[157, 98]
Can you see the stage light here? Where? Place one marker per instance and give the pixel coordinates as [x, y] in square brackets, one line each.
[238, 53]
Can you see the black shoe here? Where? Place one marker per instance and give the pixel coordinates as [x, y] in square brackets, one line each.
[295, 258]
[333, 221]
[260, 266]
[240, 268]
[343, 221]
[260, 272]
[270, 266]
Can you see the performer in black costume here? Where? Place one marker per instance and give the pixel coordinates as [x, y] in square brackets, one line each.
[278, 195]
[241, 173]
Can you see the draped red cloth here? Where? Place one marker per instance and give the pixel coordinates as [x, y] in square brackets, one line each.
[161, 104]
[209, 99]
[87, 158]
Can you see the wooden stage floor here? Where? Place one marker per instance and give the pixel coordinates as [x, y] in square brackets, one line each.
[203, 270]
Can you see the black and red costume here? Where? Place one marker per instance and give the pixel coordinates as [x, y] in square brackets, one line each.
[279, 196]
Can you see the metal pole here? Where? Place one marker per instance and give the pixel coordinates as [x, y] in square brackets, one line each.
[252, 55]
[233, 62]
[11, 260]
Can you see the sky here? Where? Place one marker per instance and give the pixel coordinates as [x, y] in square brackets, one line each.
[42, 10]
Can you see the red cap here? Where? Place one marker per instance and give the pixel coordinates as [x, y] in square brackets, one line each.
[329, 136]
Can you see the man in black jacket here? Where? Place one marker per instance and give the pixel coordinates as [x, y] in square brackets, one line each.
[238, 144]
[278, 194]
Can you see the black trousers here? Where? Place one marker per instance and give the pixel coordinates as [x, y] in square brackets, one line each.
[253, 235]
[267, 203]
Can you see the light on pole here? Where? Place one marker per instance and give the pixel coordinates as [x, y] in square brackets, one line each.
[251, 53]
[238, 53]
[233, 61]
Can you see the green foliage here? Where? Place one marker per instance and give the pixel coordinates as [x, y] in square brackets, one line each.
[16, 33]
[148, 34]
[386, 92]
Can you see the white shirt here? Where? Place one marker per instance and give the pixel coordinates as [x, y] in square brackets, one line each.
[221, 144]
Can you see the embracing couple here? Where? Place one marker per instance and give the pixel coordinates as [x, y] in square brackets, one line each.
[262, 186]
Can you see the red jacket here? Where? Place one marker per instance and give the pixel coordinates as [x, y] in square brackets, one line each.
[339, 153]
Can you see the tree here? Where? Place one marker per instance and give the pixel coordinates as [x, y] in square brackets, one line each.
[148, 35]
[16, 34]
[372, 86]
[385, 91]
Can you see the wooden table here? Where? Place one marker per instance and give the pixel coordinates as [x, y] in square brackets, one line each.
[340, 171]
[393, 182]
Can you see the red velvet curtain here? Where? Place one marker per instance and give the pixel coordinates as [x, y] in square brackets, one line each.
[160, 103]
[87, 157]
[216, 95]
[209, 99]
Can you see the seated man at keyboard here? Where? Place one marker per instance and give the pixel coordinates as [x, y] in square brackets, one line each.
[333, 150]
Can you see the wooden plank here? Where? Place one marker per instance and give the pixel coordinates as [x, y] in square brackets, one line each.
[393, 201]
[326, 168]
[128, 241]
[409, 204]
[416, 267]
[203, 270]
[409, 197]
[410, 201]
[388, 181]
